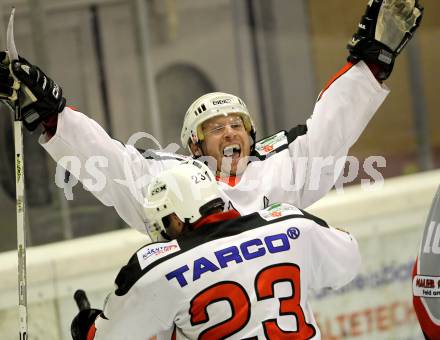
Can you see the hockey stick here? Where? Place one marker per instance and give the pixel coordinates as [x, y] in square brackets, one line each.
[20, 196]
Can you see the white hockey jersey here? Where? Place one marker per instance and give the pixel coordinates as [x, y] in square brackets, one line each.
[244, 277]
[297, 167]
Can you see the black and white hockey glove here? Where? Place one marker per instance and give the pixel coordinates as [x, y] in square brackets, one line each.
[39, 96]
[82, 322]
[383, 32]
[8, 84]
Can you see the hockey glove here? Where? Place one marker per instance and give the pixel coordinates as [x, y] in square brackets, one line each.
[82, 322]
[39, 96]
[383, 32]
[8, 84]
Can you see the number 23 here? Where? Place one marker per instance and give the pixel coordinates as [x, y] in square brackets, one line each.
[239, 301]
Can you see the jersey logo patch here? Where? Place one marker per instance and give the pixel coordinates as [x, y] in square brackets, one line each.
[426, 286]
[278, 210]
[152, 252]
[270, 144]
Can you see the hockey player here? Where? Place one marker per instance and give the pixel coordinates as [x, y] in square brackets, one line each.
[286, 167]
[224, 276]
[426, 275]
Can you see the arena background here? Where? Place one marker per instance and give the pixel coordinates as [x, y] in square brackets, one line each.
[135, 65]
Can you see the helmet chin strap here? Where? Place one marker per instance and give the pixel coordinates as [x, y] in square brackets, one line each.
[254, 140]
[187, 226]
[199, 145]
[165, 235]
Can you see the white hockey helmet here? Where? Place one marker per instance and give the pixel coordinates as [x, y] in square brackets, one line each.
[189, 190]
[211, 105]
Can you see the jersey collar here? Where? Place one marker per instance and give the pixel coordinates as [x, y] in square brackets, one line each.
[217, 217]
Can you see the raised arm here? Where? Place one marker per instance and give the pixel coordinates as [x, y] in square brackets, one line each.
[116, 174]
[352, 96]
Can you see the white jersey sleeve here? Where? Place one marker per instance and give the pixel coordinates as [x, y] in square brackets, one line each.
[136, 315]
[305, 157]
[335, 258]
[115, 173]
[341, 114]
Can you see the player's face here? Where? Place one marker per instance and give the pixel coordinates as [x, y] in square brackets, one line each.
[228, 142]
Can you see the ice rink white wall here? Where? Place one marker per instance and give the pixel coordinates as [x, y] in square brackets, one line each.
[388, 225]
[387, 222]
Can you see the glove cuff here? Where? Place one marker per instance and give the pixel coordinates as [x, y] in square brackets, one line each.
[34, 114]
[373, 52]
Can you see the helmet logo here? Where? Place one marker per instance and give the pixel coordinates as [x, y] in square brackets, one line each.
[221, 101]
[159, 189]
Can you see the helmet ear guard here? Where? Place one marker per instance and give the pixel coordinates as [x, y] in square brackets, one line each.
[188, 190]
[209, 106]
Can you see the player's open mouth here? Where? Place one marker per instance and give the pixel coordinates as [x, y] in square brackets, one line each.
[233, 151]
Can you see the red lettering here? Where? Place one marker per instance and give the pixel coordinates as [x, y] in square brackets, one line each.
[426, 283]
[355, 324]
[326, 328]
[340, 319]
[382, 318]
[394, 313]
[368, 313]
[368, 321]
